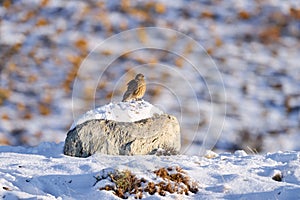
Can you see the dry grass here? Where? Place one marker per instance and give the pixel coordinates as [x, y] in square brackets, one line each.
[169, 180]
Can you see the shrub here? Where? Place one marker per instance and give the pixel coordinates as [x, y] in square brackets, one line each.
[168, 180]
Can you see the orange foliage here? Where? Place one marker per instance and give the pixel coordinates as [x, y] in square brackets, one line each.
[4, 94]
[142, 35]
[218, 41]
[21, 106]
[295, 13]
[81, 44]
[244, 15]
[160, 8]
[179, 62]
[42, 22]
[208, 14]
[44, 109]
[5, 117]
[270, 34]
[6, 4]
[44, 3]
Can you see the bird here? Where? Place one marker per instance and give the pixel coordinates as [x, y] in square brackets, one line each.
[136, 88]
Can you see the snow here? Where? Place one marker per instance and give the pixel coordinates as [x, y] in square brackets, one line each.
[43, 172]
[260, 76]
[130, 111]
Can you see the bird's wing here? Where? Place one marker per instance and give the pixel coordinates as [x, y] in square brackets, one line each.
[132, 85]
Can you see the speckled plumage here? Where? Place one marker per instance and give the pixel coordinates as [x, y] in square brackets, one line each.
[136, 88]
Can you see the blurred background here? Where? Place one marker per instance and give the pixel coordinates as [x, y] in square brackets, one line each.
[58, 60]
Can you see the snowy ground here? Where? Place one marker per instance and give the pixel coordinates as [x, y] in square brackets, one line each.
[254, 45]
[44, 172]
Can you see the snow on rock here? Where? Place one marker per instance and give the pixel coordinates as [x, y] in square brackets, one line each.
[45, 173]
[130, 111]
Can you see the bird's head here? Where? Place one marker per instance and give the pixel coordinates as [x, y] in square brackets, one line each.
[139, 77]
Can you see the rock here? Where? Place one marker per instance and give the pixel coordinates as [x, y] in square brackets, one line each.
[123, 138]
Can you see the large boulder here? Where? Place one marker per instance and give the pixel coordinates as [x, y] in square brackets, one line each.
[103, 136]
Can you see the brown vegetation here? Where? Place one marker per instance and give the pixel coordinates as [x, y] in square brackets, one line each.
[169, 180]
